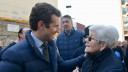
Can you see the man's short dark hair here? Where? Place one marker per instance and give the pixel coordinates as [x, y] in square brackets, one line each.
[20, 31]
[42, 12]
[67, 16]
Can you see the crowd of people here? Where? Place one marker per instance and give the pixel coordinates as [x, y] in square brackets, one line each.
[37, 50]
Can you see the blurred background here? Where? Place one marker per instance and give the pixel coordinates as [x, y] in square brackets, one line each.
[14, 14]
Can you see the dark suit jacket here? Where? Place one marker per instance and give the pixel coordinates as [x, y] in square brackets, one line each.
[25, 57]
[2, 51]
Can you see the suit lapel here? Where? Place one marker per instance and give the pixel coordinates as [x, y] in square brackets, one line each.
[33, 46]
[38, 53]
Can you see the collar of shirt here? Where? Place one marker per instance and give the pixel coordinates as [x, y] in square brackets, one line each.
[38, 42]
[68, 32]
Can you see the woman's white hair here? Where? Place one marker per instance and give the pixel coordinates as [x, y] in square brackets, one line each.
[107, 34]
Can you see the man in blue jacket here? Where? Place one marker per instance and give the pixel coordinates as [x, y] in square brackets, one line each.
[21, 36]
[37, 53]
[70, 40]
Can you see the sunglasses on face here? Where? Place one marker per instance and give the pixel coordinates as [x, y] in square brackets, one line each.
[90, 38]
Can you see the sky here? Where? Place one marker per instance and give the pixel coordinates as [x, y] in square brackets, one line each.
[89, 12]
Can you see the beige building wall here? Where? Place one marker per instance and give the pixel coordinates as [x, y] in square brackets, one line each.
[20, 9]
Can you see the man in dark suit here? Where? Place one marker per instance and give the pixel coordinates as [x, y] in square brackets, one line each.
[37, 53]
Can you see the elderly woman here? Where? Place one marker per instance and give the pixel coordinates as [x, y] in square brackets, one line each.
[99, 56]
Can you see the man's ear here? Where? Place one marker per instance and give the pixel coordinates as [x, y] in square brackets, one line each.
[41, 25]
[103, 45]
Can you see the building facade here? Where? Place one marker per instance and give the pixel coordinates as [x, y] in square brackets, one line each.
[14, 14]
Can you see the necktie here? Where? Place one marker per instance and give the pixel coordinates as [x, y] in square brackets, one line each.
[45, 51]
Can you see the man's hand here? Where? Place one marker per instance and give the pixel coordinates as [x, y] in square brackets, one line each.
[76, 70]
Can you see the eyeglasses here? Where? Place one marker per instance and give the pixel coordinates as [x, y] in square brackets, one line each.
[90, 38]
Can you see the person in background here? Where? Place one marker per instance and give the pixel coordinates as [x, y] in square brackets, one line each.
[38, 52]
[69, 40]
[124, 45]
[119, 51]
[1, 46]
[119, 43]
[98, 52]
[21, 36]
[126, 56]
